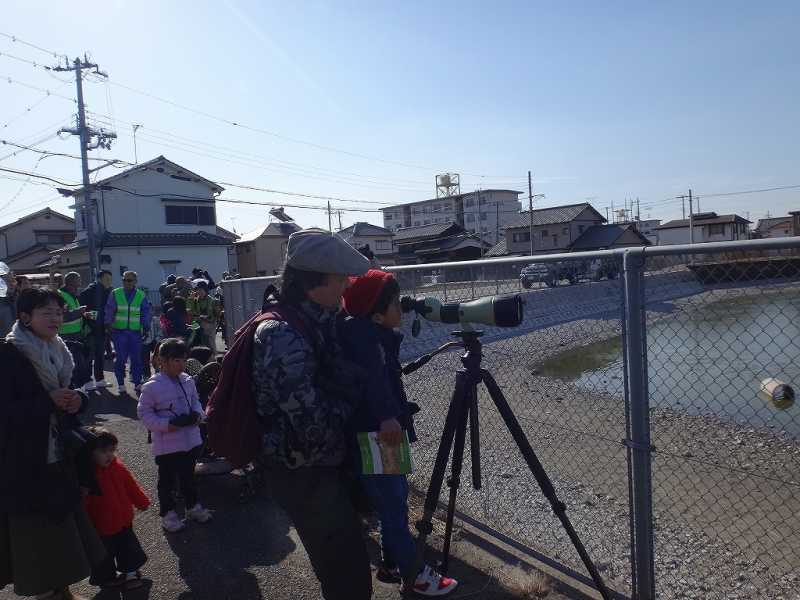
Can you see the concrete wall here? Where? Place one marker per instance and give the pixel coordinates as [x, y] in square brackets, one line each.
[120, 212]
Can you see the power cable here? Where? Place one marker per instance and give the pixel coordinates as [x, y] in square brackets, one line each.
[29, 174]
[18, 40]
[11, 80]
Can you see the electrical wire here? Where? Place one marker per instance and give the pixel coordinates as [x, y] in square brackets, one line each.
[18, 40]
[11, 80]
[29, 174]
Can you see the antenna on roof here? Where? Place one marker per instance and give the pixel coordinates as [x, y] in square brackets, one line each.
[280, 214]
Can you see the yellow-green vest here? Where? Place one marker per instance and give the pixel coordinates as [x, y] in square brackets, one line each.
[74, 326]
[128, 316]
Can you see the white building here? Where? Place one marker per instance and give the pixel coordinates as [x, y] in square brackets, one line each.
[706, 227]
[486, 212]
[156, 218]
[649, 229]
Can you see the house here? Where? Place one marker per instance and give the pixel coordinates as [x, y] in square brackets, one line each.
[27, 242]
[485, 212]
[606, 237]
[442, 242]
[157, 219]
[775, 227]
[649, 229]
[263, 250]
[379, 239]
[233, 261]
[554, 229]
[707, 227]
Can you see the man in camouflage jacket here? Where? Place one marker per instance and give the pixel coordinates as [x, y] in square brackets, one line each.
[304, 396]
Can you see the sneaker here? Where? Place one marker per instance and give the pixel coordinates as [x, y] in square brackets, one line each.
[89, 386]
[388, 574]
[101, 384]
[172, 523]
[133, 581]
[114, 582]
[199, 514]
[430, 583]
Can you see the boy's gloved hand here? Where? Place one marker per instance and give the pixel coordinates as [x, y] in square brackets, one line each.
[391, 432]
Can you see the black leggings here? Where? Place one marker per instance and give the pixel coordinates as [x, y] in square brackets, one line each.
[176, 472]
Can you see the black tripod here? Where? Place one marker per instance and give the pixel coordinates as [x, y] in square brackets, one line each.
[464, 409]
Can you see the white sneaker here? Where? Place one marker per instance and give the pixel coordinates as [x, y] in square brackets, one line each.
[172, 523]
[430, 583]
[199, 514]
[89, 386]
[101, 384]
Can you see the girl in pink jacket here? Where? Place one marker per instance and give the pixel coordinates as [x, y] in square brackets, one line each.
[169, 407]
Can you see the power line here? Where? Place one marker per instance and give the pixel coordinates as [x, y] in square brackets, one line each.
[29, 174]
[30, 108]
[11, 80]
[18, 40]
[48, 153]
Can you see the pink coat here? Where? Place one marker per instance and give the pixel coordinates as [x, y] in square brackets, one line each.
[161, 400]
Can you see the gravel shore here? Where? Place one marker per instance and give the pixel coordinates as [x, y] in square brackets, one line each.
[725, 495]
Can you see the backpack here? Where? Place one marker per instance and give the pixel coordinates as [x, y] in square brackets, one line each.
[234, 427]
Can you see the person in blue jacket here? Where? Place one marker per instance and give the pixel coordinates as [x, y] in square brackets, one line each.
[369, 338]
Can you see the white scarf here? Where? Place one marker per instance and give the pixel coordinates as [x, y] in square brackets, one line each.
[51, 358]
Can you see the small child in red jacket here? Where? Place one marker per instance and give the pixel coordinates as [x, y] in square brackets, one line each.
[112, 515]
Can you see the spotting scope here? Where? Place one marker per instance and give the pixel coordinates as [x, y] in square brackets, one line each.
[500, 311]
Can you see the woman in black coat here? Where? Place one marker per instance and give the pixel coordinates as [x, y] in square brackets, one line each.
[46, 540]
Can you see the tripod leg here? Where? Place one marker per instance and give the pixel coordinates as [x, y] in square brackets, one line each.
[437, 476]
[541, 477]
[465, 404]
[475, 440]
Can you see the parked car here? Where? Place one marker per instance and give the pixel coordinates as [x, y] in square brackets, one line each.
[572, 271]
[536, 273]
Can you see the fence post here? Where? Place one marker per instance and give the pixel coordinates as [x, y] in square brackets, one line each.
[639, 429]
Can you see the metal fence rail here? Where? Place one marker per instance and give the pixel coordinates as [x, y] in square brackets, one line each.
[642, 395]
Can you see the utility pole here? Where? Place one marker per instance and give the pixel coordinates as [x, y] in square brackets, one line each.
[330, 226]
[339, 214]
[530, 208]
[86, 133]
[683, 206]
[638, 212]
[691, 214]
[497, 222]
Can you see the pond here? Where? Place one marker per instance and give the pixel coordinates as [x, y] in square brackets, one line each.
[709, 357]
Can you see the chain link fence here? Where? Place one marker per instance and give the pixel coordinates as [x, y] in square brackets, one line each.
[642, 379]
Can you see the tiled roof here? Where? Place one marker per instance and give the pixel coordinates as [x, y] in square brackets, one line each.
[425, 231]
[275, 228]
[499, 249]
[124, 240]
[704, 219]
[45, 211]
[604, 236]
[361, 229]
[764, 224]
[551, 216]
[157, 164]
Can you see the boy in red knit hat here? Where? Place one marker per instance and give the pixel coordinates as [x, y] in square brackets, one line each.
[369, 338]
[112, 515]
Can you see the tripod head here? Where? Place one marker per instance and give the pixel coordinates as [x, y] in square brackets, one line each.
[471, 359]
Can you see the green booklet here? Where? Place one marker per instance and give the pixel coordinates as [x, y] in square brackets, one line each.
[380, 459]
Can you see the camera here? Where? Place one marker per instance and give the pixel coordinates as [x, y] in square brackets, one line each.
[500, 311]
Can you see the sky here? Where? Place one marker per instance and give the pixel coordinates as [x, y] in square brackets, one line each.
[368, 101]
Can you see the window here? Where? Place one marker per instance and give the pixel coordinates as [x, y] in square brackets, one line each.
[469, 217]
[525, 236]
[482, 200]
[470, 202]
[190, 215]
[54, 238]
[168, 269]
[483, 216]
[545, 233]
[716, 229]
[415, 210]
[565, 231]
[382, 245]
[427, 221]
[448, 207]
[437, 208]
[388, 216]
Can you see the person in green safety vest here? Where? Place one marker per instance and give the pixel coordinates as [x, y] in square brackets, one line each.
[127, 317]
[73, 330]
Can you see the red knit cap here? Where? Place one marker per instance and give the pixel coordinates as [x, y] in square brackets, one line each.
[364, 291]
